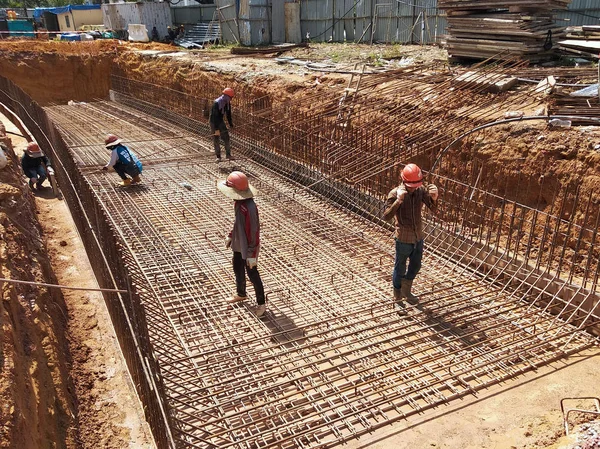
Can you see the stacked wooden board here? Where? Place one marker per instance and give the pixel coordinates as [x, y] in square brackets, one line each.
[482, 29]
[452, 6]
[583, 41]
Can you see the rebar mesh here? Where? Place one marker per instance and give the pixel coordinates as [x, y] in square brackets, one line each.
[333, 358]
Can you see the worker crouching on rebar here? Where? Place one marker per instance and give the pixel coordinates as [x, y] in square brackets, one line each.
[36, 166]
[123, 160]
[244, 239]
[405, 204]
[221, 108]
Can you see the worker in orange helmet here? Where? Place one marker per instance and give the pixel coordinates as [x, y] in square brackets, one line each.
[123, 161]
[244, 239]
[36, 166]
[404, 204]
[221, 108]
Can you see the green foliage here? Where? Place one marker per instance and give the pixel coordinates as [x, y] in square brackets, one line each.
[375, 59]
[221, 47]
[395, 51]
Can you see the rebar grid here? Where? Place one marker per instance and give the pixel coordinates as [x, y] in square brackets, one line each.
[333, 358]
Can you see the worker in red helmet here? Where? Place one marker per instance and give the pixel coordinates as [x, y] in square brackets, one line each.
[244, 239]
[221, 108]
[36, 166]
[123, 160]
[404, 204]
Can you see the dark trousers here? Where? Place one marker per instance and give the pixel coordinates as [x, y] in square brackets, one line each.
[413, 252]
[126, 169]
[225, 137]
[38, 172]
[240, 269]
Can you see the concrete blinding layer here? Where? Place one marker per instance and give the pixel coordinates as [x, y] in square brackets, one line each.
[333, 358]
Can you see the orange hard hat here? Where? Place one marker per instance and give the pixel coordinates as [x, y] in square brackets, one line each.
[412, 176]
[236, 186]
[229, 92]
[237, 180]
[33, 147]
[111, 140]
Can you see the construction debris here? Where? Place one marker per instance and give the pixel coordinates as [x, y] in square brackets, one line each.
[583, 41]
[492, 82]
[265, 50]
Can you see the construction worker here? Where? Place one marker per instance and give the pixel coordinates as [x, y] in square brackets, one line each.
[244, 239]
[171, 35]
[405, 204]
[35, 165]
[155, 37]
[221, 107]
[123, 161]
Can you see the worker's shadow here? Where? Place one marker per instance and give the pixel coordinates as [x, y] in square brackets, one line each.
[45, 192]
[134, 189]
[465, 332]
[283, 329]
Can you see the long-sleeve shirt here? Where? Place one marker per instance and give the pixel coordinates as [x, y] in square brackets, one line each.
[28, 162]
[220, 108]
[120, 153]
[407, 215]
[245, 236]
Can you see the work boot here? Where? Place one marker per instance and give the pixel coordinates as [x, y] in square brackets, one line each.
[260, 310]
[136, 179]
[406, 292]
[31, 185]
[218, 159]
[127, 182]
[398, 303]
[236, 298]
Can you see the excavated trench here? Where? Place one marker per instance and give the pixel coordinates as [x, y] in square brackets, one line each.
[505, 287]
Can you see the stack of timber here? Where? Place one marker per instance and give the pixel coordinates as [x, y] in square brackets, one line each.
[481, 29]
[583, 41]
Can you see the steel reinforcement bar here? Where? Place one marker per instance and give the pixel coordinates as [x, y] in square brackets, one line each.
[107, 259]
[334, 357]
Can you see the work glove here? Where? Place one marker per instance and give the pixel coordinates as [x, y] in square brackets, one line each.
[251, 262]
[433, 191]
[50, 171]
[228, 242]
[401, 193]
[105, 168]
[217, 133]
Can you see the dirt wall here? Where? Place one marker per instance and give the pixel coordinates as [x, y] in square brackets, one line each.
[37, 409]
[56, 72]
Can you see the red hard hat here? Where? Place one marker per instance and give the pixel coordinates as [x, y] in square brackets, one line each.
[237, 180]
[229, 92]
[111, 140]
[412, 176]
[33, 147]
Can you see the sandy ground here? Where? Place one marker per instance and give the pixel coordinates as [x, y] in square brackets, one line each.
[523, 413]
[110, 413]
